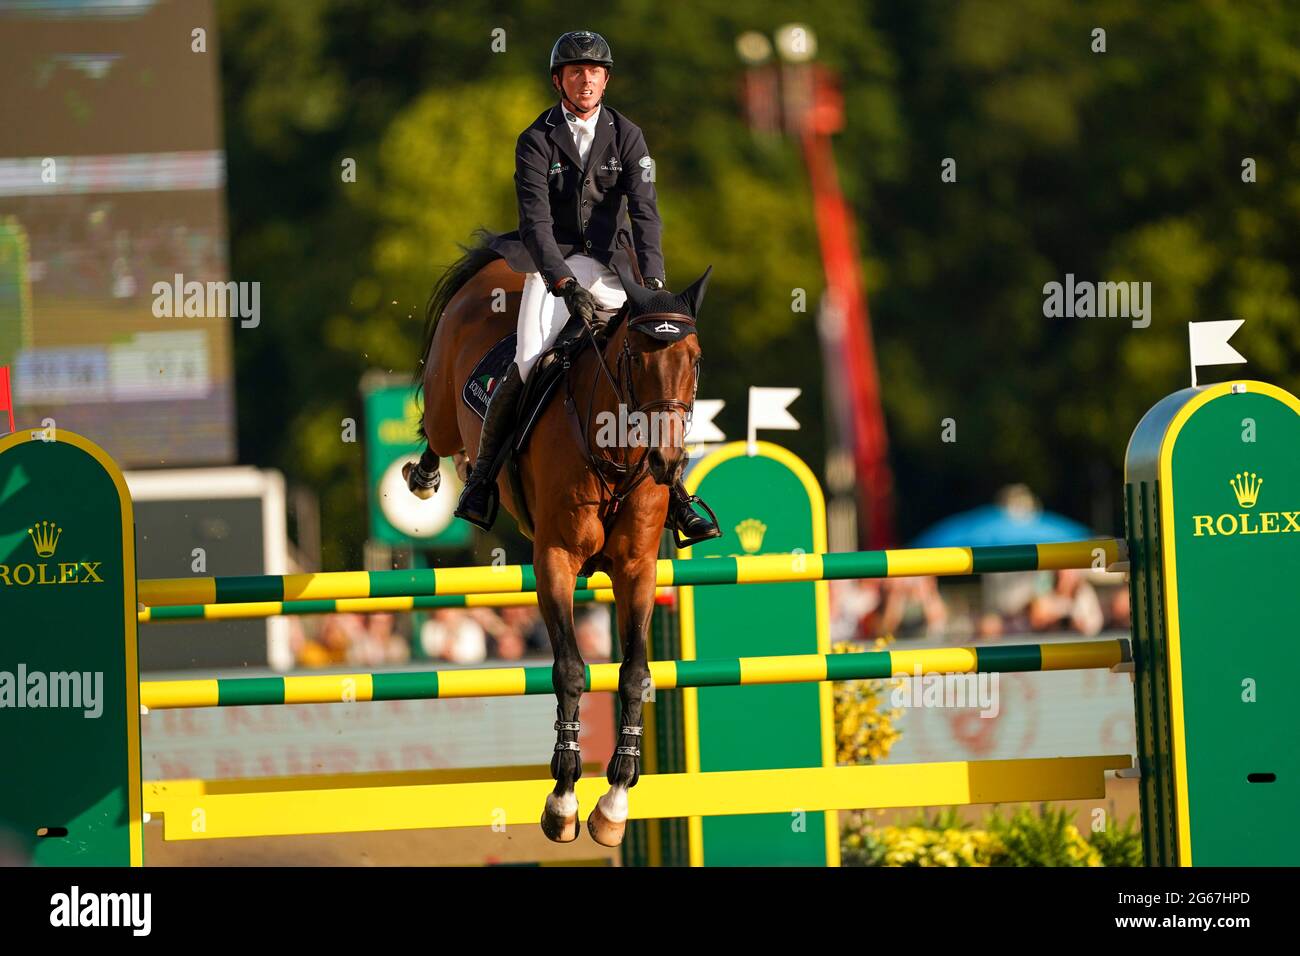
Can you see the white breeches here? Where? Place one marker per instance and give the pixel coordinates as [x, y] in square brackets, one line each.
[542, 315]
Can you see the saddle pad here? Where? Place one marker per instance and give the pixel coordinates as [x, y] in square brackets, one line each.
[487, 374]
[537, 392]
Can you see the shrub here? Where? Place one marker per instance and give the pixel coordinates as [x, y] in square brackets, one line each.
[864, 730]
[1046, 838]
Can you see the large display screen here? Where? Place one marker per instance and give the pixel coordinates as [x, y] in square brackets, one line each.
[112, 190]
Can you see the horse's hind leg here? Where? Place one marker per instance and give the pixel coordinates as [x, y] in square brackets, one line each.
[423, 477]
[557, 573]
[634, 594]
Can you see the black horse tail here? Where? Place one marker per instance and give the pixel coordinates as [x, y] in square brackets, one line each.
[476, 256]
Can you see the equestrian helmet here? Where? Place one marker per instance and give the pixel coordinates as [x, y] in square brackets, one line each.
[581, 46]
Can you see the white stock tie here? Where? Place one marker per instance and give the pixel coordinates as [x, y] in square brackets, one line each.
[584, 131]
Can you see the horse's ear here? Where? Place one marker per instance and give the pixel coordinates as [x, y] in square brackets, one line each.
[638, 294]
[695, 294]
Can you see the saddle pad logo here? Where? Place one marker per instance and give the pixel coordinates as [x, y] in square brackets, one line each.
[487, 374]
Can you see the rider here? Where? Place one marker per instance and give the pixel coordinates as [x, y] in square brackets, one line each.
[574, 167]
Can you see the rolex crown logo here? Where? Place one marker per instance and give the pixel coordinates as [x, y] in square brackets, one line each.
[45, 535]
[1246, 486]
[751, 532]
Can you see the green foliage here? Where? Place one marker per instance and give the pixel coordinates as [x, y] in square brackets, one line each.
[864, 727]
[1118, 845]
[1049, 838]
[942, 838]
[1122, 165]
[916, 846]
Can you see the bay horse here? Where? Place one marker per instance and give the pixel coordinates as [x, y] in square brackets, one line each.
[590, 505]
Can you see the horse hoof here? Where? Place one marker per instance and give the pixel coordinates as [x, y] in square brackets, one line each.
[424, 494]
[604, 830]
[560, 829]
[560, 819]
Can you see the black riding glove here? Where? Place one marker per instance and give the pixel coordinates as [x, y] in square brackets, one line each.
[582, 305]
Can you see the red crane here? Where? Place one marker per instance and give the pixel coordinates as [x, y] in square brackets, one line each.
[811, 108]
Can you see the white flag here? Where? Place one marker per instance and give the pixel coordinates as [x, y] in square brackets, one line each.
[701, 428]
[1209, 343]
[767, 409]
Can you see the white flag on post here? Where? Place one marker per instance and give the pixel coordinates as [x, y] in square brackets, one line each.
[1209, 343]
[767, 409]
[701, 429]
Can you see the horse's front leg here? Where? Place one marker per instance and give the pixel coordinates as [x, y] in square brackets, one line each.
[634, 594]
[557, 573]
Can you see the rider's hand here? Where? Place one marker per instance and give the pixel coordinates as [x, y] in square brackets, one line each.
[580, 301]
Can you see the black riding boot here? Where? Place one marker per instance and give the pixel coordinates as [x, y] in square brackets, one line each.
[690, 526]
[478, 502]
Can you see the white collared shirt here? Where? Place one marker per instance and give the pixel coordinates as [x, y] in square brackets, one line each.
[583, 130]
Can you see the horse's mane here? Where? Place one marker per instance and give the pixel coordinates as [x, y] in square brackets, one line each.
[477, 255]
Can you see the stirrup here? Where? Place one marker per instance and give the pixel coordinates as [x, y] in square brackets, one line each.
[714, 532]
[489, 516]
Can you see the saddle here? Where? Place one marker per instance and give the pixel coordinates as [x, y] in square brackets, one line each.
[540, 388]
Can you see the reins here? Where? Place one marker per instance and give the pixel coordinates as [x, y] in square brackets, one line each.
[629, 476]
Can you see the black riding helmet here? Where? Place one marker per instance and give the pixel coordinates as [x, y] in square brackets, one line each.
[581, 46]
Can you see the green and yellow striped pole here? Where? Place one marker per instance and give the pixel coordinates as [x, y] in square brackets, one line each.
[260, 609]
[666, 675]
[516, 578]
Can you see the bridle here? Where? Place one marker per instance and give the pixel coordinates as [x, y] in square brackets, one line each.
[685, 409]
[627, 476]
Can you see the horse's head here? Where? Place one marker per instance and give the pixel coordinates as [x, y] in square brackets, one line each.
[660, 357]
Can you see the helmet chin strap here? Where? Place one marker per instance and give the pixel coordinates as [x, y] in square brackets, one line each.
[572, 106]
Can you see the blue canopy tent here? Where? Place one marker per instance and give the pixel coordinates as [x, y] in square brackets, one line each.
[997, 525]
